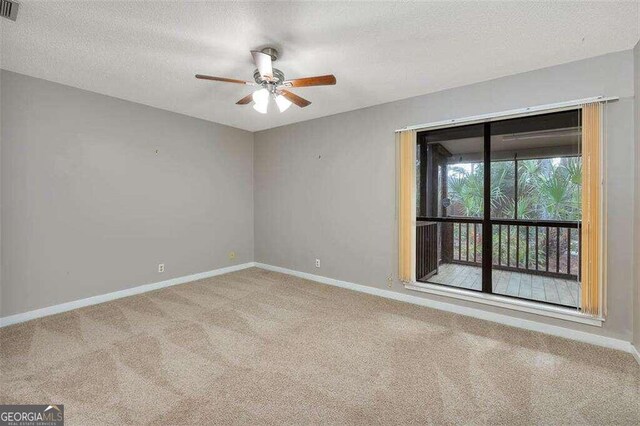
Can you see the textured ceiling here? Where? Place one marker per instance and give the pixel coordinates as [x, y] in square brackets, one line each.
[148, 52]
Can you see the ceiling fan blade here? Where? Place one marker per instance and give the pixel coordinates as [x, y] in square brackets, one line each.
[301, 102]
[321, 80]
[245, 100]
[223, 79]
[263, 63]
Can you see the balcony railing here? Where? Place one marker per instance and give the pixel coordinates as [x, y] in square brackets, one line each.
[426, 249]
[538, 247]
[549, 248]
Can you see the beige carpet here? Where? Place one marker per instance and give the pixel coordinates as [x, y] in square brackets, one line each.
[258, 347]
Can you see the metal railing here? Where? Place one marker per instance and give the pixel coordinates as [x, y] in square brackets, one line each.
[539, 247]
[426, 249]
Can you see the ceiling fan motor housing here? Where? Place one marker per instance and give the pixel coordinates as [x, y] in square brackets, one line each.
[278, 77]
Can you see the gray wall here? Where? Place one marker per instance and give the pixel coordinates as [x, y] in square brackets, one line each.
[325, 188]
[1, 286]
[636, 310]
[88, 207]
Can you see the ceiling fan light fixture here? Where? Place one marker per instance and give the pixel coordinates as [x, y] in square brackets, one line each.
[271, 83]
[282, 102]
[261, 97]
[261, 108]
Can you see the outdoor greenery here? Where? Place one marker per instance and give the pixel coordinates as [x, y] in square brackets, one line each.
[548, 189]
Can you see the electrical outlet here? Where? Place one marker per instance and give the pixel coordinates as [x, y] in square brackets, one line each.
[161, 267]
[232, 255]
[389, 281]
[317, 263]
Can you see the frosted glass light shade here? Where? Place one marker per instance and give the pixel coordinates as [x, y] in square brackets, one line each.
[261, 100]
[261, 108]
[283, 103]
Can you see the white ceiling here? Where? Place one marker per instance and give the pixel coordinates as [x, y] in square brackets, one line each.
[148, 52]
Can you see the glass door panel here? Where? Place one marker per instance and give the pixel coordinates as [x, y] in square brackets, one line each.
[536, 207]
[450, 204]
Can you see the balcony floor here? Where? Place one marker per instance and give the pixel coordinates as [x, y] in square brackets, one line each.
[528, 286]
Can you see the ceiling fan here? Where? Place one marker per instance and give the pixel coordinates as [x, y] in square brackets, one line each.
[272, 83]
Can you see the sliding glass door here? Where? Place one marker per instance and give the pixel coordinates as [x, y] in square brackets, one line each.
[450, 174]
[499, 207]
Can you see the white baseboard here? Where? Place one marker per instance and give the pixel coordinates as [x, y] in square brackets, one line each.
[56, 309]
[581, 336]
[555, 330]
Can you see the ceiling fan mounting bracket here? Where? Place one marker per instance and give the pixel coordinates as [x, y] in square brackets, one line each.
[271, 52]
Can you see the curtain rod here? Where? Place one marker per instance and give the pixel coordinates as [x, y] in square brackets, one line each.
[509, 113]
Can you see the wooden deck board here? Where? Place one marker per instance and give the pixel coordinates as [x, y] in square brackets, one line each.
[551, 291]
[528, 286]
[566, 298]
[526, 282]
[537, 288]
[513, 286]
